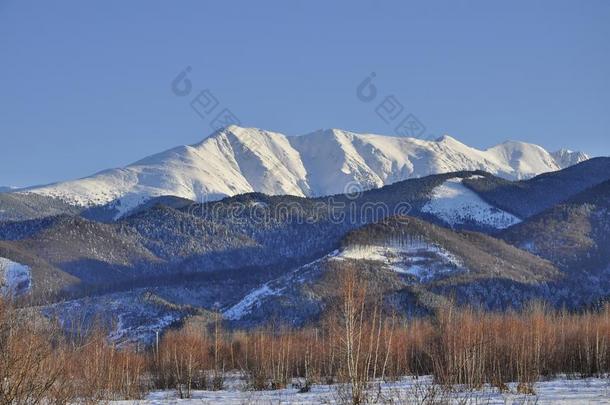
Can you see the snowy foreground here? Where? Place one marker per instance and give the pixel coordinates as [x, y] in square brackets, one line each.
[407, 391]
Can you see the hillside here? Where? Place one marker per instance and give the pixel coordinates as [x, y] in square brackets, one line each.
[575, 234]
[16, 206]
[169, 237]
[415, 266]
[528, 197]
[419, 242]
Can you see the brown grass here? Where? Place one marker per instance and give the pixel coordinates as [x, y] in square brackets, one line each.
[357, 342]
[39, 365]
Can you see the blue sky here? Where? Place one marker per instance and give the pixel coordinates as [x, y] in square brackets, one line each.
[86, 86]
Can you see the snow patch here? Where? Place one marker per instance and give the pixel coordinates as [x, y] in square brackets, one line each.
[15, 278]
[249, 302]
[456, 204]
[275, 287]
[422, 260]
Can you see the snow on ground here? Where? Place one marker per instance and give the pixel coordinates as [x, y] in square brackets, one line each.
[456, 204]
[422, 260]
[405, 391]
[15, 278]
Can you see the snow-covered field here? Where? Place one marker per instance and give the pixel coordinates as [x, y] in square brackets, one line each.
[406, 391]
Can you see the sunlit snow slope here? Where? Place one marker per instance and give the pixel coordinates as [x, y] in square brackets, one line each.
[456, 204]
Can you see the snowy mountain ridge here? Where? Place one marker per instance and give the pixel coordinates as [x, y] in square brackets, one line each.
[238, 160]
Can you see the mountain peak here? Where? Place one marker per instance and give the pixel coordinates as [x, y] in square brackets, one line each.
[326, 132]
[512, 142]
[567, 157]
[231, 129]
[447, 139]
[234, 127]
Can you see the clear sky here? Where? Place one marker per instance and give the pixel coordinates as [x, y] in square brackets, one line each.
[86, 85]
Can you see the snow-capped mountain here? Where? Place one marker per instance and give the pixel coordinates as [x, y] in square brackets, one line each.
[238, 160]
[566, 157]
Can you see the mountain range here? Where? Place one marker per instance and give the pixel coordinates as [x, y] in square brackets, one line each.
[478, 231]
[239, 160]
